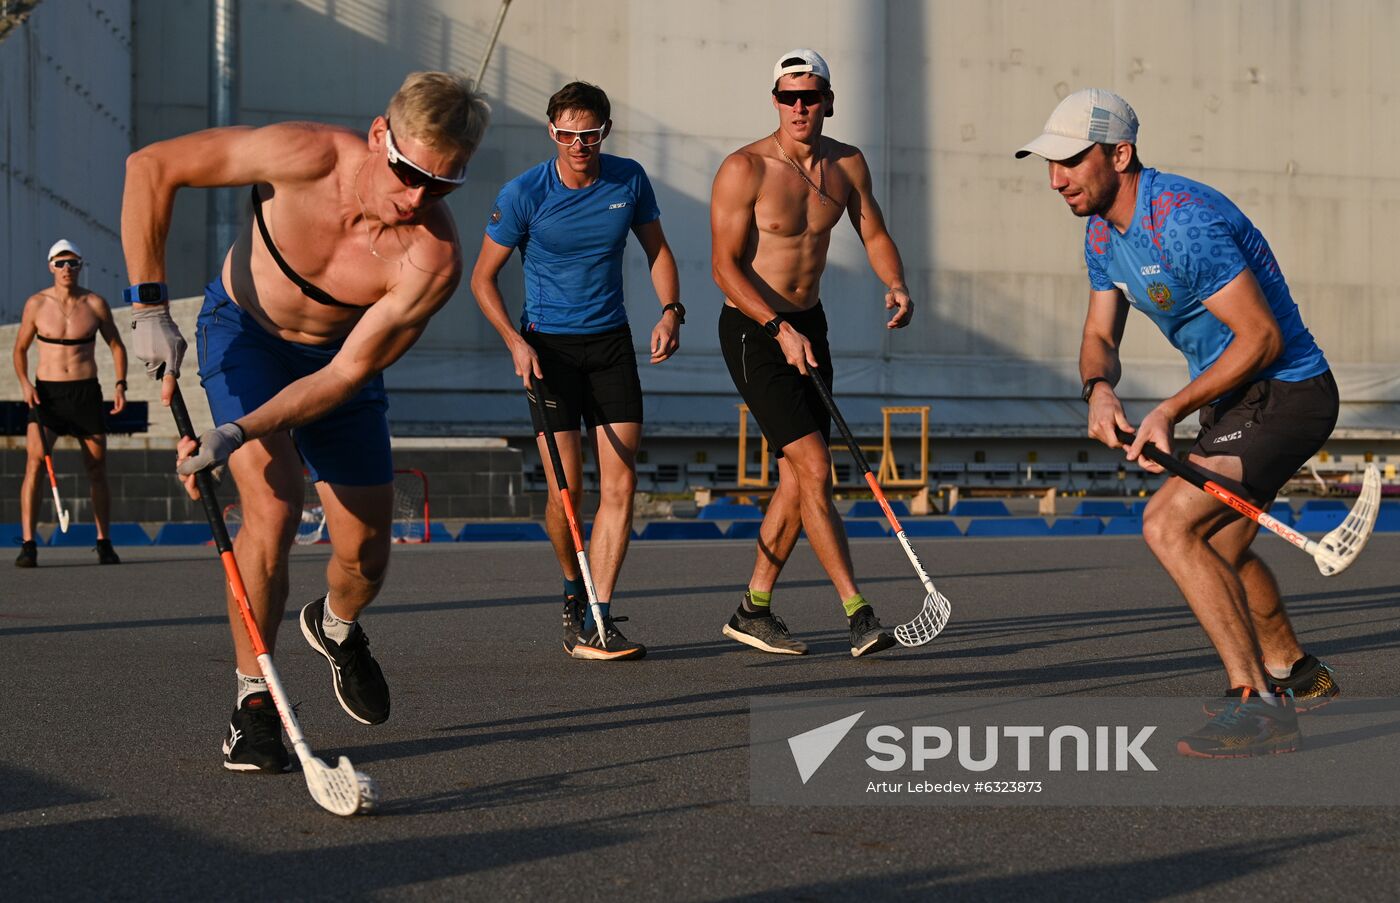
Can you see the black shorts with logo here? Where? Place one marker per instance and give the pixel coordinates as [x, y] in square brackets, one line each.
[70, 407]
[1273, 427]
[782, 400]
[588, 377]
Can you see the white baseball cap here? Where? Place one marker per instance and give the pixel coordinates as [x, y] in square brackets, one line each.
[801, 60]
[1091, 116]
[63, 246]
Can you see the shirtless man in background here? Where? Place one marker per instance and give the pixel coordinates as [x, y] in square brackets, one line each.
[774, 204]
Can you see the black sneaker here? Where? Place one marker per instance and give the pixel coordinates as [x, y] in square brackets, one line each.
[359, 684]
[254, 741]
[868, 636]
[619, 648]
[1312, 683]
[28, 555]
[766, 632]
[573, 622]
[1248, 727]
[105, 553]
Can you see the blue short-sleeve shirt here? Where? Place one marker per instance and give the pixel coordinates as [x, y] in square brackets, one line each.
[1186, 242]
[571, 242]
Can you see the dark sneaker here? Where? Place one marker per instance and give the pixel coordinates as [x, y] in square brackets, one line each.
[254, 741]
[573, 622]
[619, 647]
[1312, 683]
[1249, 726]
[868, 636]
[28, 555]
[105, 553]
[765, 632]
[359, 684]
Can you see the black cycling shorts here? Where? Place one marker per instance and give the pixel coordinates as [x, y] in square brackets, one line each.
[782, 400]
[1273, 427]
[588, 377]
[71, 407]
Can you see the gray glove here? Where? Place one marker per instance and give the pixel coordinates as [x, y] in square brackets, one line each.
[157, 341]
[214, 448]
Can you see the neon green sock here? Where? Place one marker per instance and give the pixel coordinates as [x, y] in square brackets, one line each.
[759, 599]
[854, 604]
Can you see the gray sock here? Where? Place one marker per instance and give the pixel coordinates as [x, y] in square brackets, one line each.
[335, 629]
[247, 685]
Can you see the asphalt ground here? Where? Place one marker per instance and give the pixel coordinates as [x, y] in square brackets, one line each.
[509, 771]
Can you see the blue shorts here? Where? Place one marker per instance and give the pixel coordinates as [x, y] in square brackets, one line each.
[241, 367]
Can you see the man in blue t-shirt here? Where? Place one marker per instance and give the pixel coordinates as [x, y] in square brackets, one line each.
[1186, 256]
[570, 217]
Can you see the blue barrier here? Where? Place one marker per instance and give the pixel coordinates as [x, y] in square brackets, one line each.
[743, 529]
[729, 511]
[1323, 521]
[931, 528]
[587, 531]
[181, 534]
[528, 531]
[1101, 508]
[1283, 512]
[1009, 526]
[123, 534]
[681, 529]
[980, 508]
[1312, 505]
[871, 508]
[1123, 526]
[1076, 526]
[1388, 518]
[13, 535]
[865, 529]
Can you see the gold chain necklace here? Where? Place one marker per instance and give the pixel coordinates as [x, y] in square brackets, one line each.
[820, 189]
[369, 234]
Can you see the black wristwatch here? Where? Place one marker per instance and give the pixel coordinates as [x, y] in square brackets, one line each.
[120, 384]
[146, 293]
[1088, 390]
[679, 308]
[772, 326]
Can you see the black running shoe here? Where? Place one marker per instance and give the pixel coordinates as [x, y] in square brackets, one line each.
[619, 648]
[573, 622]
[105, 553]
[359, 684]
[254, 741]
[1248, 727]
[868, 636]
[28, 555]
[1312, 683]
[765, 632]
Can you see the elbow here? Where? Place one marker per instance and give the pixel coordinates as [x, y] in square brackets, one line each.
[1272, 347]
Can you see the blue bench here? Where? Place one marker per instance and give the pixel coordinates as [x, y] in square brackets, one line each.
[184, 534]
[743, 529]
[528, 531]
[1312, 505]
[1076, 526]
[930, 528]
[730, 511]
[865, 529]
[1123, 526]
[1319, 521]
[1102, 508]
[1388, 518]
[1008, 526]
[980, 508]
[871, 508]
[122, 534]
[681, 529]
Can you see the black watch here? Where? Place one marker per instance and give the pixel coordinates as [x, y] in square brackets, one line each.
[1088, 390]
[772, 326]
[121, 383]
[679, 308]
[146, 293]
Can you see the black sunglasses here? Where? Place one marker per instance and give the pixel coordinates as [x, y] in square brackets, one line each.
[412, 175]
[73, 262]
[808, 98]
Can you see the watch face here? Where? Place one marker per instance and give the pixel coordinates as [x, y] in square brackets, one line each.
[149, 293]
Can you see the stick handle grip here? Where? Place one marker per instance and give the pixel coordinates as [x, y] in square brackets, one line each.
[1170, 462]
[840, 421]
[204, 480]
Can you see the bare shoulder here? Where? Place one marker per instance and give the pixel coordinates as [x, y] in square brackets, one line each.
[97, 303]
[435, 253]
[742, 169]
[846, 156]
[310, 150]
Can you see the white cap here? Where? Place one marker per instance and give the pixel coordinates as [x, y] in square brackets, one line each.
[801, 60]
[63, 246]
[1091, 116]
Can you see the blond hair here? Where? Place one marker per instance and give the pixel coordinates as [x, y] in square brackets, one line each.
[440, 109]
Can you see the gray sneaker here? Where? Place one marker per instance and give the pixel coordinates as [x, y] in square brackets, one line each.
[765, 632]
[868, 636]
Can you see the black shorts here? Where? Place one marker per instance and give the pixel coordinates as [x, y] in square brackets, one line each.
[588, 377]
[71, 407]
[1273, 427]
[782, 400]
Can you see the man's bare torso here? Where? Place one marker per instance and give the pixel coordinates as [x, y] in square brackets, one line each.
[75, 318]
[321, 232]
[785, 253]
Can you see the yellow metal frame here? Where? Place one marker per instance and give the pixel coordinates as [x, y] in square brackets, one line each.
[743, 478]
[888, 474]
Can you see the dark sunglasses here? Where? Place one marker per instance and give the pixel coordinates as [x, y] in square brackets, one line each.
[808, 98]
[73, 262]
[414, 176]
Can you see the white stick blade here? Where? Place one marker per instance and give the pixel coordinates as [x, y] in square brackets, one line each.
[335, 789]
[1338, 549]
[928, 624]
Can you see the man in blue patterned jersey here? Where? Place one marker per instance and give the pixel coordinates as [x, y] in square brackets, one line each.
[1182, 253]
[570, 217]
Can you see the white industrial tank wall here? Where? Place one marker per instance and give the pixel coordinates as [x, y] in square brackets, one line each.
[1289, 107]
[65, 131]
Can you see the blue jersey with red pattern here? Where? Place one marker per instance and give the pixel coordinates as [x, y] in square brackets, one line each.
[1186, 242]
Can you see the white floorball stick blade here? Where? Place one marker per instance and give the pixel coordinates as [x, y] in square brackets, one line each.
[339, 790]
[928, 624]
[1338, 549]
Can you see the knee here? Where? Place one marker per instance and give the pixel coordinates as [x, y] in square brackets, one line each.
[1161, 531]
[369, 564]
[618, 491]
[97, 471]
